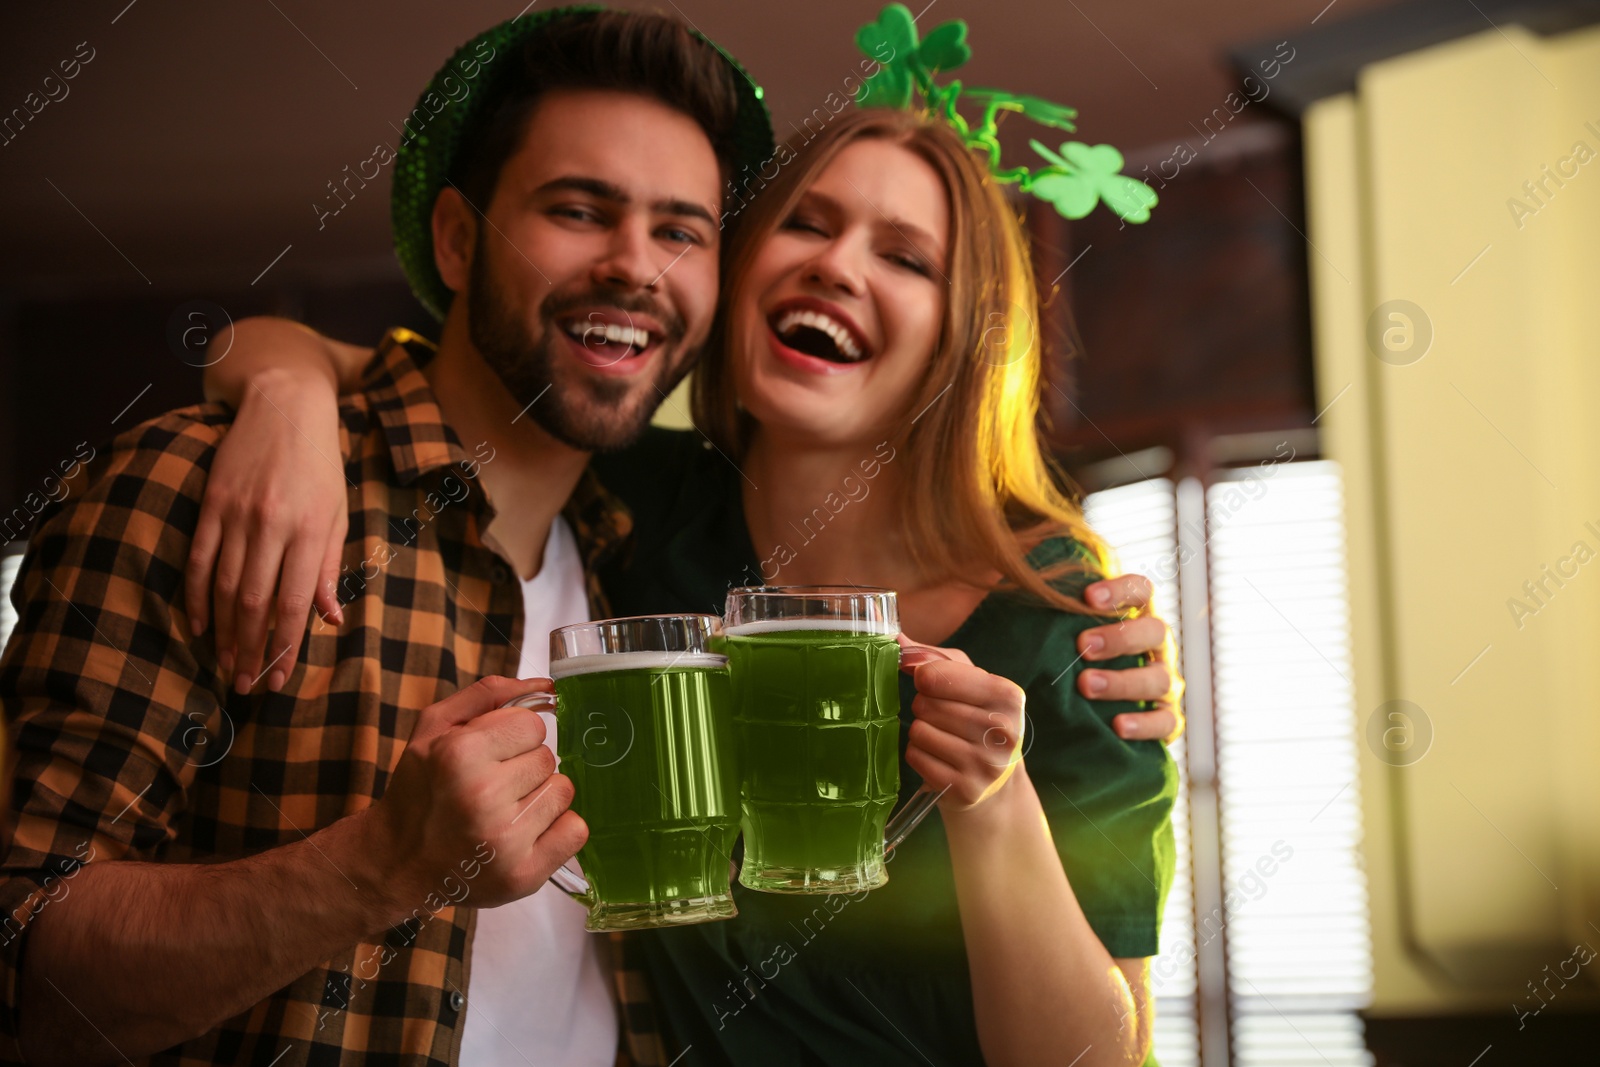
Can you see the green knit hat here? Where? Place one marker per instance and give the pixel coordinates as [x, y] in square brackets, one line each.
[454, 108]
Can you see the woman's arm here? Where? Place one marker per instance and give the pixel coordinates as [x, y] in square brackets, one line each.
[274, 518]
[1045, 990]
[265, 343]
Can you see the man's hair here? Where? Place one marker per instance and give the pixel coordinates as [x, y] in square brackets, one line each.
[651, 55]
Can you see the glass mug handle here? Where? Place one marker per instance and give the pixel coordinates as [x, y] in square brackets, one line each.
[924, 799]
[563, 878]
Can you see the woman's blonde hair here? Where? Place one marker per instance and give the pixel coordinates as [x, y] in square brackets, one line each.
[980, 492]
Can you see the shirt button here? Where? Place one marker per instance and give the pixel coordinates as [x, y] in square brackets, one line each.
[456, 1000]
[500, 573]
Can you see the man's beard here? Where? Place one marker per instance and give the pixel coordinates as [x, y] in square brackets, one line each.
[587, 412]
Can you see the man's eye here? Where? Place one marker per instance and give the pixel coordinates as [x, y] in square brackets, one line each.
[583, 214]
[678, 235]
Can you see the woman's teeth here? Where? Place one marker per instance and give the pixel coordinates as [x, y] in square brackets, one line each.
[844, 344]
[609, 334]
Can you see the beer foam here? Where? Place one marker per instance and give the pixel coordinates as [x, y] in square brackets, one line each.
[636, 661]
[853, 626]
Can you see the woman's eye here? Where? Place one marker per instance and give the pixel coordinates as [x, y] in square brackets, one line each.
[796, 222]
[910, 263]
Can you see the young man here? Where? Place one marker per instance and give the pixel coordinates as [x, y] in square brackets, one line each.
[301, 872]
[306, 865]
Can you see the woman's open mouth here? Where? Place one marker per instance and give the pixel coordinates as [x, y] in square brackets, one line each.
[816, 333]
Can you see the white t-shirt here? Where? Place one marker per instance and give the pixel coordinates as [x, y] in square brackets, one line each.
[539, 994]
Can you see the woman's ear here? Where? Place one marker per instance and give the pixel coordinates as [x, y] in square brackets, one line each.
[455, 228]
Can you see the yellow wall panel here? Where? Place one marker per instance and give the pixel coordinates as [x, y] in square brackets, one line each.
[1471, 467]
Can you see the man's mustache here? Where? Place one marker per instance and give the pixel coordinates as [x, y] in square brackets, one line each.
[557, 305]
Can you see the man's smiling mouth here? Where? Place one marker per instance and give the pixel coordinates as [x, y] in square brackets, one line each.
[608, 339]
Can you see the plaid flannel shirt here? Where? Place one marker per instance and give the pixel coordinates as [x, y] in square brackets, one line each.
[130, 744]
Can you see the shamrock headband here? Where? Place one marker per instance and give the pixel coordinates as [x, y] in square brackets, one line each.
[1073, 179]
[456, 105]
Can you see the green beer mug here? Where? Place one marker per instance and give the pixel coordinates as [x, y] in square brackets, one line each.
[644, 733]
[816, 712]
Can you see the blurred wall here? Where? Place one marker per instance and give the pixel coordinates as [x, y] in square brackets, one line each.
[1452, 287]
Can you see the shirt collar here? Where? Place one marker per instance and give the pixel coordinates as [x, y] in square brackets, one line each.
[421, 441]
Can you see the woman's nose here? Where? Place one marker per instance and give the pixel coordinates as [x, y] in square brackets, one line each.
[838, 267]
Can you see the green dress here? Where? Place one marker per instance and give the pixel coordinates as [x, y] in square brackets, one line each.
[881, 978]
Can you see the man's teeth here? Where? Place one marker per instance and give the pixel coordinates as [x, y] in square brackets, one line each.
[818, 321]
[610, 333]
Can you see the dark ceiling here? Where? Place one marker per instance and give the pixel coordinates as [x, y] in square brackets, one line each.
[189, 150]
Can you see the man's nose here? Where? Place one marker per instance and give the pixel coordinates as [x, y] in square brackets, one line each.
[629, 262]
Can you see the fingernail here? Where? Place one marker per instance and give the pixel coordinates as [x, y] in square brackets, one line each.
[225, 661]
[1099, 596]
[241, 684]
[1093, 645]
[275, 681]
[1127, 731]
[195, 627]
[1094, 682]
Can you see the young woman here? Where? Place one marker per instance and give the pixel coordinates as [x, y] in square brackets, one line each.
[869, 407]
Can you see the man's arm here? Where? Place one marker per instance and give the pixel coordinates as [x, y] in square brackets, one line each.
[1158, 683]
[151, 954]
[104, 957]
[137, 957]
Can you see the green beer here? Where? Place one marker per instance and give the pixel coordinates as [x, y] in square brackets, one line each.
[646, 739]
[816, 711]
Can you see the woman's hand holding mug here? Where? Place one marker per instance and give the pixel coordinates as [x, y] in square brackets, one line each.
[967, 738]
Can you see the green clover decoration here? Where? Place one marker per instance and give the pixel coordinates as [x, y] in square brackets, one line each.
[1076, 178]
